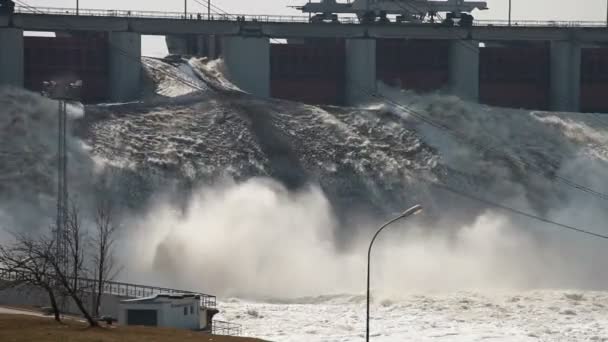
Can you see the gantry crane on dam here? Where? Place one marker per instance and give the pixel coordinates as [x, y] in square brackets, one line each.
[414, 11]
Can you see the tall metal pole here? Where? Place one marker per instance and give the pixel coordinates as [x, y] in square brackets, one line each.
[77, 7]
[411, 211]
[60, 188]
[185, 9]
[510, 7]
[64, 182]
[208, 9]
[62, 93]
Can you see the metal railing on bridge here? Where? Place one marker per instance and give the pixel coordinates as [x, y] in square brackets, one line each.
[277, 18]
[539, 23]
[118, 288]
[159, 15]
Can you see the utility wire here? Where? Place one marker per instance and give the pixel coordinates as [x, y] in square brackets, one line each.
[509, 209]
[430, 122]
[487, 147]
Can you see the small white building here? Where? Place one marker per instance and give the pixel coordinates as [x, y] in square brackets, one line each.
[182, 311]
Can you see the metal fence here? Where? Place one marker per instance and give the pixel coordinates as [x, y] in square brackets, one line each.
[226, 328]
[118, 288]
[539, 23]
[276, 18]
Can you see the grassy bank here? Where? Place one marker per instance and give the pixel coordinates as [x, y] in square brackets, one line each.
[19, 328]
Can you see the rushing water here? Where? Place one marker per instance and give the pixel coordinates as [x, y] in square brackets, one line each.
[267, 199]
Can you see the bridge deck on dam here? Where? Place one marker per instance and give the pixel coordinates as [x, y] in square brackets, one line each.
[162, 23]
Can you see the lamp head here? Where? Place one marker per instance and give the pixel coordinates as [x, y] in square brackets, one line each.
[417, 209]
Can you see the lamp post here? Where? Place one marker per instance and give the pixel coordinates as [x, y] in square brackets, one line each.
[77, 7]
[62, 91]
[510, 7]
[411, 211]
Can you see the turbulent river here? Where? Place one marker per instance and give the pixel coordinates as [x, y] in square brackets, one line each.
[273, 202]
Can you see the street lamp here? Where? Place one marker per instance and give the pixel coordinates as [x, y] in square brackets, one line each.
[411, 211]
[63, 91]
[510, 12]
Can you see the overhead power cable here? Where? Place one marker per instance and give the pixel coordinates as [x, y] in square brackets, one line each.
[509, 209]
[486, 147]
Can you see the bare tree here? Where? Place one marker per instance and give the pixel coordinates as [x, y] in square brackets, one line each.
[103, 241]
[65, 270]
[69, 272]
[26, 262]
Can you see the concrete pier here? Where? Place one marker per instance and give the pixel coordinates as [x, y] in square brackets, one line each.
[464, 69]
[11, 57]
[177, 45]
[247, 60]
[565, 76]
[125, 66]
[360, 70]
[193, 45]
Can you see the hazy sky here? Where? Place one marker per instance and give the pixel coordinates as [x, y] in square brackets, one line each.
[522, 9]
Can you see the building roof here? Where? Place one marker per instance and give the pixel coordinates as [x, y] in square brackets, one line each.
[161, 296]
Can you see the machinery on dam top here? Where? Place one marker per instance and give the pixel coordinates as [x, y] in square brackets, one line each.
[414, 11]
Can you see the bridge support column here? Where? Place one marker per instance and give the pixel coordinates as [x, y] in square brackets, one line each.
[125, 66]
[361, 81]
[177, 45]
[565, 76]
[464, 69]
[193, 45]
[247, 61]
[11, 57]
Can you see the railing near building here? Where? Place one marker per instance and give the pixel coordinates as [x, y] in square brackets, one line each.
[119, 288]
[226, 328]
[276, 18]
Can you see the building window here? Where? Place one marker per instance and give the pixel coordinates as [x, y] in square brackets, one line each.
[185, 310]
[191, 310]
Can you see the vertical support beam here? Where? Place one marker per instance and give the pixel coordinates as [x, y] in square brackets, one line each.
[177, 44]
[565, 76]
[361, 81]
[11, 57]
[212, 51]
[125, 66]
[247, 61]
[201, 45]
[464, 69]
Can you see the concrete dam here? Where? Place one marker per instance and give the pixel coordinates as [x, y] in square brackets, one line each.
[545, 66]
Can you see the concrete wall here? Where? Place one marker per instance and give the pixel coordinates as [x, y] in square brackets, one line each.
[170, 312]
[194, 45]
[360, 70]
[565, 76]
[125, 66]
[37, 297]
[464, 69]
[247, 62]
[11, 57]
[177, 45]
[174, 314]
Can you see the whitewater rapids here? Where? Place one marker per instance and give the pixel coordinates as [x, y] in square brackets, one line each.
[523, 316]
[269, 204]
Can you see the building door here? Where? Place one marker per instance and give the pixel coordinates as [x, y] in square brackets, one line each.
[142, 317]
